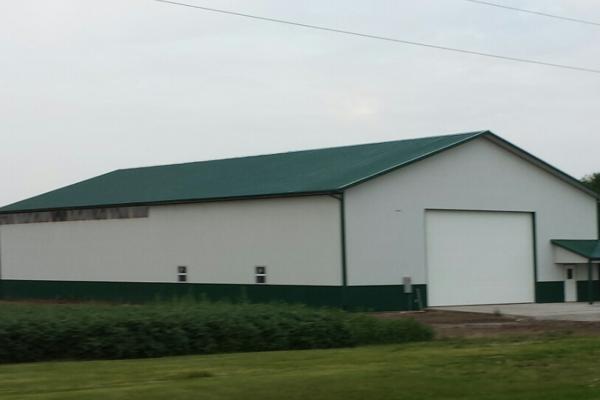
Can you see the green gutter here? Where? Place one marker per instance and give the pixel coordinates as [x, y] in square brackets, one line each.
[343, 237]
[535, 257]
[1, 294]
[598, 217]
[340, 197]
[590, 283]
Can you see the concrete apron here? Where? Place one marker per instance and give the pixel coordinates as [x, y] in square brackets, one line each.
[554, 311]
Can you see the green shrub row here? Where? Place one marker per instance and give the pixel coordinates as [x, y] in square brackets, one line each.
[87, 331]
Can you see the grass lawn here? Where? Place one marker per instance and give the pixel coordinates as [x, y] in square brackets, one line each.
[548, 368]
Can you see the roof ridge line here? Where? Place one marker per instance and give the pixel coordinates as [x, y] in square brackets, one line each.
[302, 150]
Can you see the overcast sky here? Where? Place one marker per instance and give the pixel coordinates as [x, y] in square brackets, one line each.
[87, 87]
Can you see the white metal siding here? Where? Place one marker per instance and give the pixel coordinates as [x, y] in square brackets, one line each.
[298, 239]
[385, 218]
[479, 258]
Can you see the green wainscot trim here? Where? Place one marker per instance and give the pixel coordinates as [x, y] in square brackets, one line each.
[582, 290]
[373, 298]
[550, 292]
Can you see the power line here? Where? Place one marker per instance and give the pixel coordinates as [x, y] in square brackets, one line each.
[543, 14]
[389, 39]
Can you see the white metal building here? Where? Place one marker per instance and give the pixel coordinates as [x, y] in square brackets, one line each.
[448, 220]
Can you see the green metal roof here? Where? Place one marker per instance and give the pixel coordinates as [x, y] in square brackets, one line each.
[586, 248]
[299, 172]
[320, 171]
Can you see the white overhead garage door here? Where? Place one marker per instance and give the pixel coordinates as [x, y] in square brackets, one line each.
[479, 257]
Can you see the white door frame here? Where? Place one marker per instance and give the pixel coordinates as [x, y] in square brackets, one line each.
[570, 277]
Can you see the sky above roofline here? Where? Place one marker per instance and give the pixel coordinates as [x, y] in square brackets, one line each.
[93, 87]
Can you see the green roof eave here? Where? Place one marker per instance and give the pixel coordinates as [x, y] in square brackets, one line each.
[589, 249]
[179, 201]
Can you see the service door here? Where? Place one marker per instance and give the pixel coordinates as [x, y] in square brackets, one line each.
[570, 283]
[479, 257]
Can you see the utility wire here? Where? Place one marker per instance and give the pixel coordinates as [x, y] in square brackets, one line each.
[389, 39]
[543, 14]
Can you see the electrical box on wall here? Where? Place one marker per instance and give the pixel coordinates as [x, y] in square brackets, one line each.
[407, 283]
